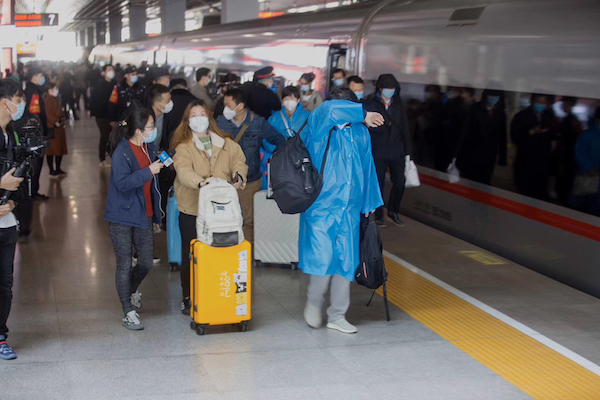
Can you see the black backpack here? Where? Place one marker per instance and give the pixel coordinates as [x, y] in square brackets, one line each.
[371, 271]
[295, 181]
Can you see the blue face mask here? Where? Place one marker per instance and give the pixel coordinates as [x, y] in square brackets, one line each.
[152, 136]
[20, 110]
[338, 82]
[539, 108]
[135, 78]
[388, 93]
[43, 81]
[359, 95]
[493, 100]
[273, 88]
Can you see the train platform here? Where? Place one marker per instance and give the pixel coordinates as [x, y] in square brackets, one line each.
[465, 323]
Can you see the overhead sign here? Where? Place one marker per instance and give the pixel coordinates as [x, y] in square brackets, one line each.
[26, 49]
[33, 20]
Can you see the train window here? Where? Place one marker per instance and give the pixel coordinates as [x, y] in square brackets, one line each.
[515, 141]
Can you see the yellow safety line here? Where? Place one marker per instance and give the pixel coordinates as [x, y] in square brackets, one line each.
[531, 366]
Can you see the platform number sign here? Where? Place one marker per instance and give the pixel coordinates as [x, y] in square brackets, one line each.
[33, 20]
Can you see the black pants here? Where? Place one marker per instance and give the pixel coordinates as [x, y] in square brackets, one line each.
[187, 227]
[396, 166]
[24, 210]
[78, 94]
[8, 243]
[105, 129]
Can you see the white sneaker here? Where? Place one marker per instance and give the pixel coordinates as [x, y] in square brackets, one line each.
[131, 321]
[155, 260]
[343, 326]
[136, 300]
[313, 316]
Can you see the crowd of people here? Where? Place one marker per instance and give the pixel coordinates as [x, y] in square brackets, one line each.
[231, 133]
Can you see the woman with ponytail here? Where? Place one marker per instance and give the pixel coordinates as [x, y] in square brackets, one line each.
[133, 206]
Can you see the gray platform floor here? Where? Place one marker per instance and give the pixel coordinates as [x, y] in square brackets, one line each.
[65, 323]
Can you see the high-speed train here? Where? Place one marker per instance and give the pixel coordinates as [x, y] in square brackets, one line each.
[518, 46]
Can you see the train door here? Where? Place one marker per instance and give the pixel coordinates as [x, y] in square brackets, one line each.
[336, 58]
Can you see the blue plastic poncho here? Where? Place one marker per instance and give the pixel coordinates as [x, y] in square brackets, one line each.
[276, 120]
[329, 229]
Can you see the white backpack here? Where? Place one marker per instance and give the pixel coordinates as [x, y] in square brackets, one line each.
[220, 220]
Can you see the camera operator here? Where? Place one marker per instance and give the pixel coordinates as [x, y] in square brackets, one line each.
[12, 107]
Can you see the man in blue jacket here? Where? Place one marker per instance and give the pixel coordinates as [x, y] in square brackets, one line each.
[248, 130]
[329, 229]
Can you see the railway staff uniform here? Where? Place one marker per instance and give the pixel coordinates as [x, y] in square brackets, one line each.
[129, 90]
[262, 100]
[249, 130]
[390, 143]
[329, 229]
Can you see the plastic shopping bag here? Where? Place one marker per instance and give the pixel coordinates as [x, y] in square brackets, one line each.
[411, 174]
[453, 172]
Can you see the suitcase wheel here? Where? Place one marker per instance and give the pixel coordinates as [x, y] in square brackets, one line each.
[243, 326]
[193, 325]
[294, 266]
[200, 330]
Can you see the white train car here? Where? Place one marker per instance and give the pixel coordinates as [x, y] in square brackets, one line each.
[519, 46]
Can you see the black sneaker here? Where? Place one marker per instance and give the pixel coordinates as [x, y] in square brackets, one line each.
[60, 172]
[186, 306]
[380, 222]
[39, 196]
[396, 219]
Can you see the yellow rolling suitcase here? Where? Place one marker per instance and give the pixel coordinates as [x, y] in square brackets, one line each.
[220, 285]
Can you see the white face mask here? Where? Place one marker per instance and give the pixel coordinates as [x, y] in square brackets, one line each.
[199, 124]
[305, 88]
[290, 105]
[167, 107]
[110, 75]
[54, 93]
[229, 114]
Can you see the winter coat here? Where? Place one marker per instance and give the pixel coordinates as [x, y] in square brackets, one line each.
[329, 229]
[194, 166]
[201, 93]
[100, 102]
[125, 203]
[263, 101]
[314, 101]
[392, 139]
[587, 149]
[35, 103]
[54, 115]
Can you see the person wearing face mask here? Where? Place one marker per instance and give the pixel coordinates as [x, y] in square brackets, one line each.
[160, 104]
[338, 78]
[311, 99]
[56, 122]
[36, 106]
[129, 90]
[357, 85]
[104, 106]
[483, 142]
[12, 108]
[390, 143]
[288, 121]
[132, 206]
[203, 77]
[249, 130]
[262, 100]
[67, 93]
[203, 152]
[533, 133]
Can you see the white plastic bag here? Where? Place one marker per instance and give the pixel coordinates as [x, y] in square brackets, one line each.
[453, 172]
[411, 174]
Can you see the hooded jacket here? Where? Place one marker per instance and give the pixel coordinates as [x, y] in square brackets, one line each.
[392, 139]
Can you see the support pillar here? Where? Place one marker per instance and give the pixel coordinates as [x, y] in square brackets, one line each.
[82, 38]
[115, 24]
[173, 16]
[238, 10]
[137, 21]
[100, 32]
[90, 37]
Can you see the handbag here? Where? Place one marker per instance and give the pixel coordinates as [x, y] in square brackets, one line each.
[586, 183]
[453, 172]
[411, 174]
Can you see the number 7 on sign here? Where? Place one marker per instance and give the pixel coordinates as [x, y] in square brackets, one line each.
[51, 18]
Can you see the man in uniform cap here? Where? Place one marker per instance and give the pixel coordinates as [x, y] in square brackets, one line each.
[263, 101]
[129, 90]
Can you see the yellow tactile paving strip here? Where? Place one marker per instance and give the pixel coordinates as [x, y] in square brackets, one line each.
[534, 368]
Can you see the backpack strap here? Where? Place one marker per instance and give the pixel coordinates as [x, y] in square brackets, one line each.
[244, 128]
[303, 125]
[287, 126]
[326, 151]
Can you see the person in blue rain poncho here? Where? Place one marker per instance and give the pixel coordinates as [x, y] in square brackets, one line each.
[288, 121]
[329, 229]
